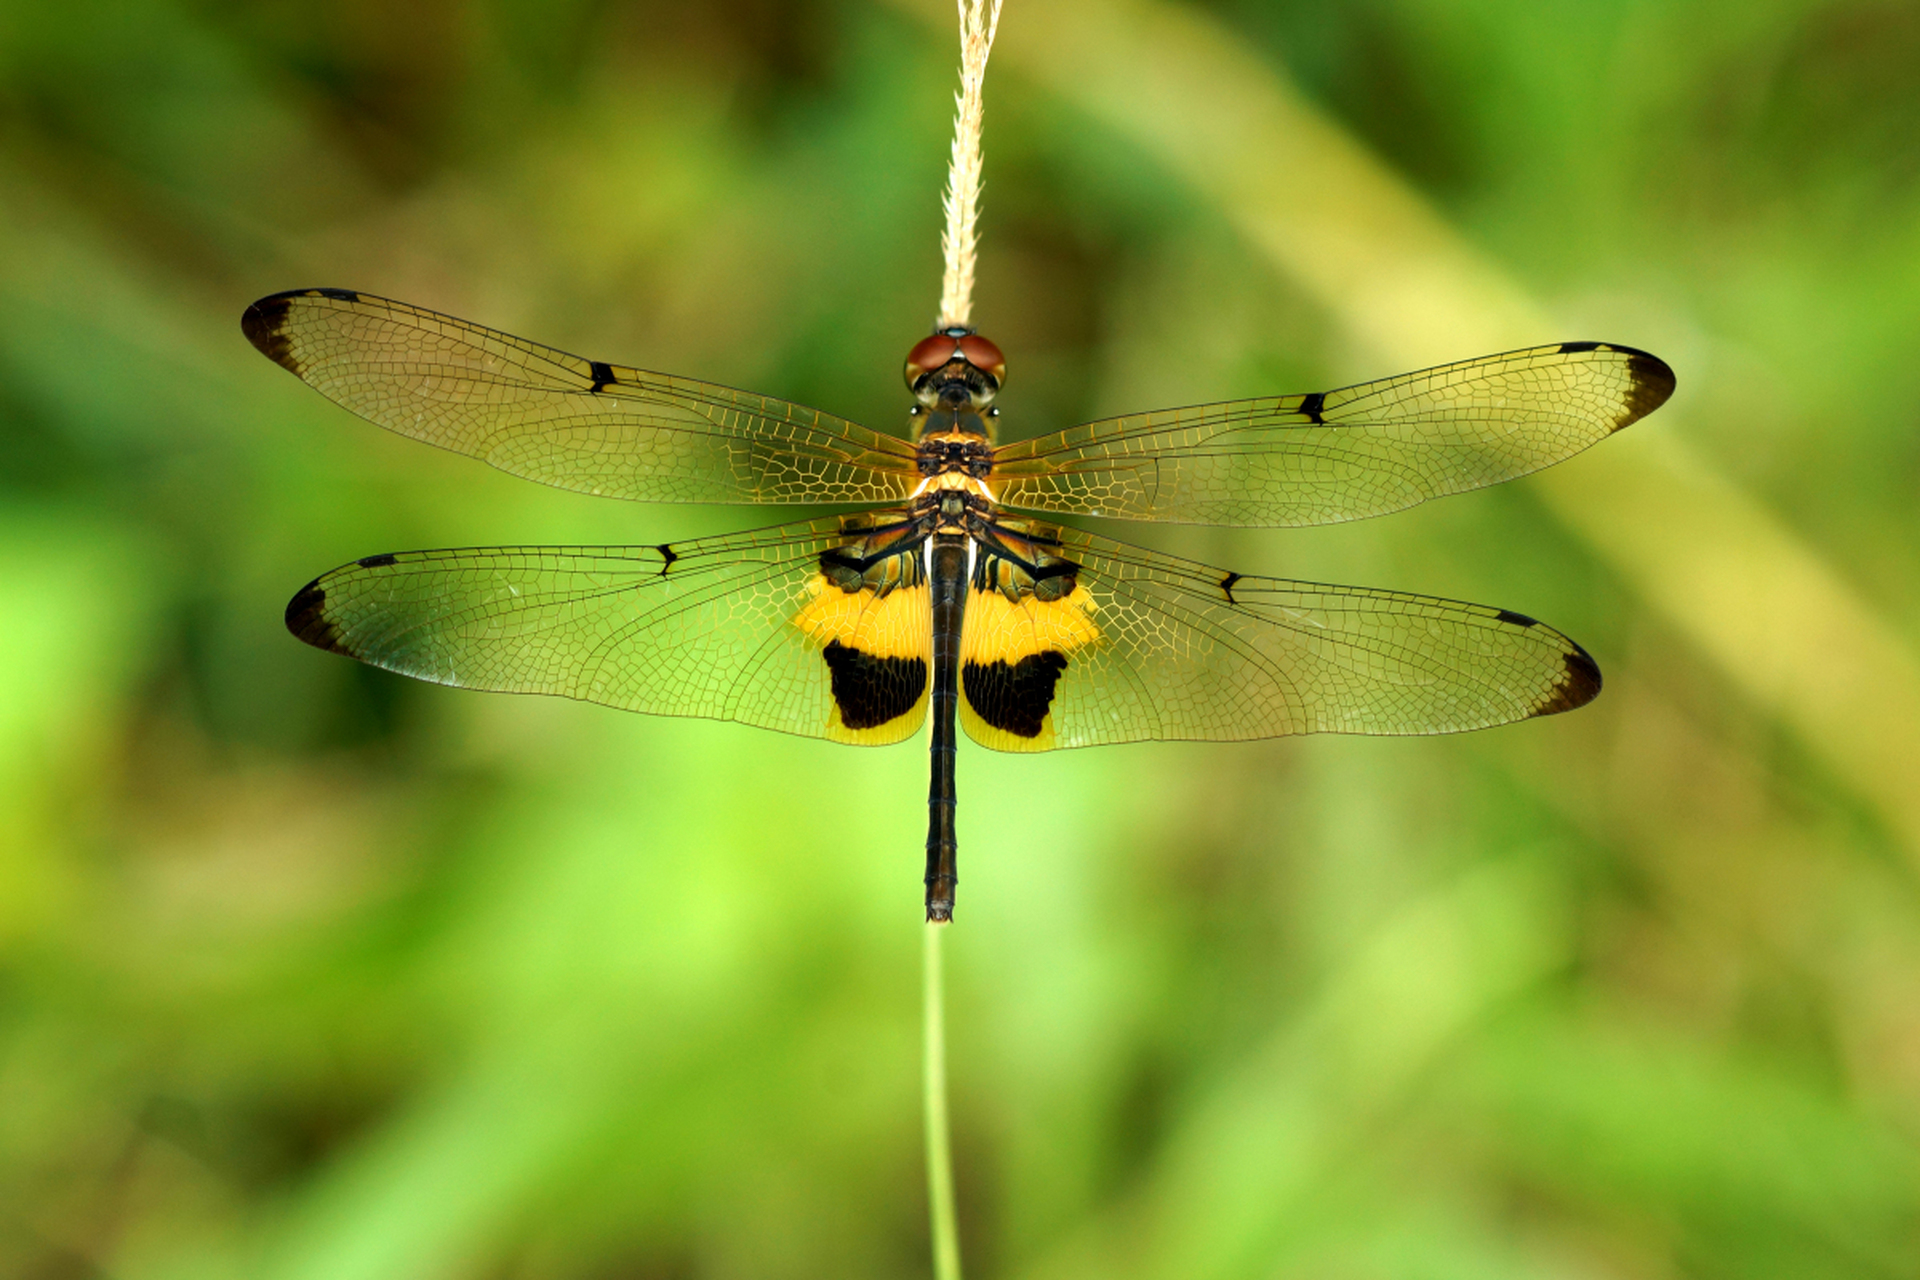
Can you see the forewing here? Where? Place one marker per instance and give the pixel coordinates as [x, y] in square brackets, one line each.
[1141, 646]
[820, 628]
[1339, 455]
[573, 423]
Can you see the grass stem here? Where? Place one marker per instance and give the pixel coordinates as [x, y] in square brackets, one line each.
[946, 1235]
[959, 243]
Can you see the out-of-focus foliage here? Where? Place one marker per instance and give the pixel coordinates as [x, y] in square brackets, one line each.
[307, 972]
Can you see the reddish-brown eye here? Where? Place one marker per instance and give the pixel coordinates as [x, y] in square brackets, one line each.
[984, 356]
[930, 353]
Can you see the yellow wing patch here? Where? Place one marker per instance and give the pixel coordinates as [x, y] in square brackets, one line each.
[1013, 653]
[1002, 630]
[896, 624]
[877, 645]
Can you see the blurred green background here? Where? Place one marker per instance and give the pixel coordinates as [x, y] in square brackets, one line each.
[308, 972]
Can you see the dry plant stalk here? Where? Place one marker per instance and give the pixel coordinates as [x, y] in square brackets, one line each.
[979, 19]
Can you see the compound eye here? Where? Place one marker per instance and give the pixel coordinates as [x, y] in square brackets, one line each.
[984, 356]
[929, 354]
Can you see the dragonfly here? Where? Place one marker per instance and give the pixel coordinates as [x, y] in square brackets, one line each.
[950, 591]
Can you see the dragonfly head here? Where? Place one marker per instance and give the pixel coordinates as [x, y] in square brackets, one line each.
[955, 369]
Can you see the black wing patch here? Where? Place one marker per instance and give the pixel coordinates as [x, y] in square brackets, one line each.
[1016, 697]
[871, 691]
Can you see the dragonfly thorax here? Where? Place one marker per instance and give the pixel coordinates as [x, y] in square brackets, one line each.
[962, 450]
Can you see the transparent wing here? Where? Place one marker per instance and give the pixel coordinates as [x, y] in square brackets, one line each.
[1339, 455]
[576, 424]
[820, 628]
[1102, 642]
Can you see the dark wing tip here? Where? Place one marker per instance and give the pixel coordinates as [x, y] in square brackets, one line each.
[1651, 382]
[1649, 379]
[307, 619]
[1579, 684]
[264, 322]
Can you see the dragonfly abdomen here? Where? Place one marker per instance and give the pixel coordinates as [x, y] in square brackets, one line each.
[949, 584]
